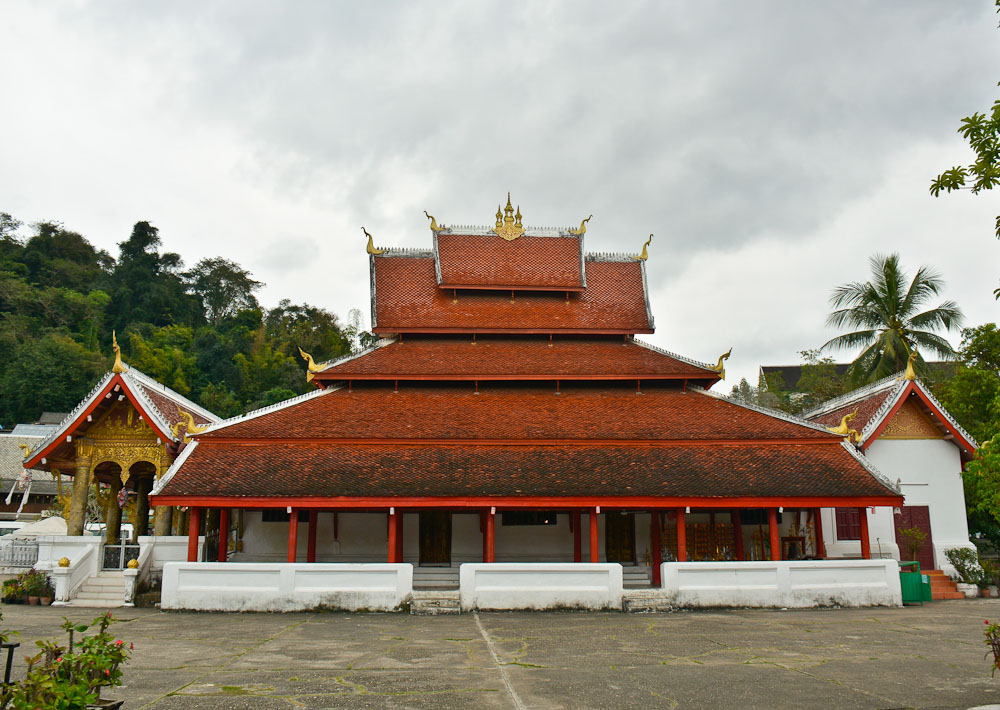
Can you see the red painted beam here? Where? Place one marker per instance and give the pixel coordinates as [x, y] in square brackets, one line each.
[491, 287]
[194, 528]
[866, 543]
[595, 551]
[682, 549]
[772, 527]
[832, 440]
[491, 552]
[393, 522]
[336, 376]
[560, 503]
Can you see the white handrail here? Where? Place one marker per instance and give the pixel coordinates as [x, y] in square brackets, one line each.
[67, 580]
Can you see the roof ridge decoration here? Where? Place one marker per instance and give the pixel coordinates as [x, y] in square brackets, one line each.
[57, 433]
[776, 413]
[169, 473]
[688, 360]
[894, 398]
[189, 426]
[910, 374]
[312, 367]
[119, 366]
[148, 382]
[268, 409]
[434, 225]
[583, 227]
[852, 396]
[720, 367]
[380, 343]
[870, 467]
[645, 254]
[509, 225]
[844, 428]
[371, 244]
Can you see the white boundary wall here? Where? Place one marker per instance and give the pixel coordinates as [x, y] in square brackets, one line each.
[267, 586]
[544, 585]
[792, 584]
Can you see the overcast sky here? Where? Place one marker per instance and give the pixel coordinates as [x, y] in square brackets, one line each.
[772, 147]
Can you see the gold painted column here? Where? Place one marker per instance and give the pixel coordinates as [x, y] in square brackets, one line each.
[141, 523]
[113, 514]
[81, 487]
[164, 514]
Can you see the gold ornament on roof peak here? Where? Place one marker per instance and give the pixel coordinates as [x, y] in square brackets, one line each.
[434, 224]
[583, 227]
[311, 365]
[25, 449]
[720, 368]
[645, 254]
[371, 244]
[509, 225]
[844, 428]
[187, 420]
[911, 373]
[118, 367]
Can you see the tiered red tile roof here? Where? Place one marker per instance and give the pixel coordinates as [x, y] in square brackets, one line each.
[483, 261]
[516, 358]
[565, 404]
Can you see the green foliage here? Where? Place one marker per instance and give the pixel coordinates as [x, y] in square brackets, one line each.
[199, 332]
[966, 563]
[972, 394]
[887, 312]
[913, 537]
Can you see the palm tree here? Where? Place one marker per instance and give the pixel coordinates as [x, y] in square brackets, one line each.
[886, 313]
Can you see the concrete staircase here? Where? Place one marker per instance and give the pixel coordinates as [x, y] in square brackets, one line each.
[435, 602]
[434, 578]
[645, 600]
[637, 577]
[106, 590]
[942, 586]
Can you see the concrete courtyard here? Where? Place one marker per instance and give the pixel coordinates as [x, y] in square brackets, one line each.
[917, 657]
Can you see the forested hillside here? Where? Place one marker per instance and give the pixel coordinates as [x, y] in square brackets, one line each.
[199, 331]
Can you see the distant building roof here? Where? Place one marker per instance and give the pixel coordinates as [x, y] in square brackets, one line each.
[51, 418]
[33, 429]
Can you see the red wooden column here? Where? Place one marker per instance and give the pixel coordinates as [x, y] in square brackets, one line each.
[393, 523]
[194, 527]
[399, 536]
[482, 532]
[594, 549]
[654, 542]
[772, 526]
[682, 545]
[311, 539]
[577, 536]
[293, 534]
[737, 520]
[491, 534]
[866, 544]
[223, 533]
[818, 526]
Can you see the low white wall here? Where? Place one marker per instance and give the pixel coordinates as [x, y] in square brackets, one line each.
[268, 586]
[793, 584]
[167, 548]
[553, 585]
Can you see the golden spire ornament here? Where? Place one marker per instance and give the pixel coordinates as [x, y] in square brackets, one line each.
[844, 428]
[371, 244]
[645, 254]
[119, 366]
[434, 225]
[509, 225]
[911, 373]
[583, 227]
[720, 368]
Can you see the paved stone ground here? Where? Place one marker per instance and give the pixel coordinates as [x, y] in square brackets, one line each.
[917, 657]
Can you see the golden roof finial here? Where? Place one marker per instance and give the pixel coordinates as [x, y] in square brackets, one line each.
[25, 450]
[720, 368]
[911, 374]
[118, 367]
[583, 227]
[508, 224]
[187, 420]
[371, 244]
[645, 254]
[311, 365]
[434, 224]
[844, 428]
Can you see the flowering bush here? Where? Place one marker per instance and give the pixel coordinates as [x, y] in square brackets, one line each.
[64, 677]
[992, 634]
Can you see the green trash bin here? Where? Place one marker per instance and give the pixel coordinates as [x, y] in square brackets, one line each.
[915, 587]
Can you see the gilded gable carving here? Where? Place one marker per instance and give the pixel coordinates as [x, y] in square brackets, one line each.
[123, 438]
[910, 422]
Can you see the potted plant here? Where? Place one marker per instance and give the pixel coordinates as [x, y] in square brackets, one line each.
[34, 582]
[48, 593]
[968, 570]
[13, 591]
[913, 537]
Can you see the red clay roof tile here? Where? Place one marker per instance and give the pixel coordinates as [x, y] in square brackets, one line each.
[527, 262]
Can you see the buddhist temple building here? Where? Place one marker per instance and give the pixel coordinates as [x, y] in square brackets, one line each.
[509, 413]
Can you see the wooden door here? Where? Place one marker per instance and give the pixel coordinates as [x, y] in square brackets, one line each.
[619, 537]
[435, 538]
[918, 516]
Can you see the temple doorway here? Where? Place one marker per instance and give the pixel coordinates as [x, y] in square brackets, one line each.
[435, 538]
[619, 537]
[915, 516]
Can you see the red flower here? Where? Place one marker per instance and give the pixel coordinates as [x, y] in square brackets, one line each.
[119, 642]
[131, 647]
[107, 672]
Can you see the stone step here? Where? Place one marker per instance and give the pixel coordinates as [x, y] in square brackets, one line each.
[97, 603]
[85, 593]
[105, 582]
[435, 603]
[645, 601]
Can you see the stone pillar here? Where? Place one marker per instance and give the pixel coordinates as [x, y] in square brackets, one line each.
[141, 523]
[81, 488]
[163, 520]
[113, 514]
[180, 522]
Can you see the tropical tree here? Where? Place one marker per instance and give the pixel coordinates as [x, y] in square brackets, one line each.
[890, 324]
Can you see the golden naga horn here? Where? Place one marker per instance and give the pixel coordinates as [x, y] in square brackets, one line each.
[434, 224]
[844, 428]
[583, 227]
[720, 368]
[311, 365]
[187, 420]
[371, 244]
[645, 253]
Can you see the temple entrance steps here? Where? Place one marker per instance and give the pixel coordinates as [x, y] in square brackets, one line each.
[635, 577]
[435, 602]
[435, 578]
[105, 590]
[942, 586]
[645, 600]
